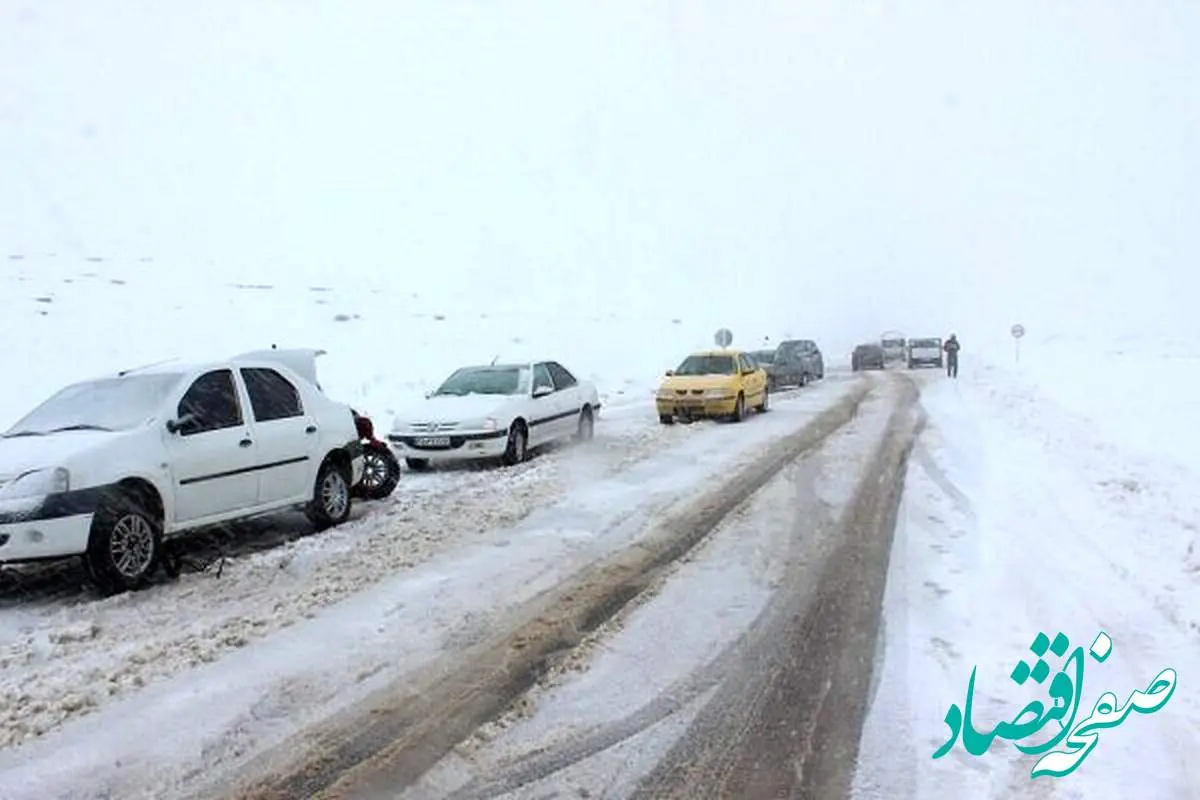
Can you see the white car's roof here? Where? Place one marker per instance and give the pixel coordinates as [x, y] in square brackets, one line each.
[302, 361]
[505, 365]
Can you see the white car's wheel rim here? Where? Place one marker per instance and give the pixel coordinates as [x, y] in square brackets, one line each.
[334, 495]
[131, 546]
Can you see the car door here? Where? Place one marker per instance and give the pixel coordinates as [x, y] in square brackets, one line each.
[571, 398]
[752, 380]
[212, 456]
[789, 363]
[286, 436]
[545, 422]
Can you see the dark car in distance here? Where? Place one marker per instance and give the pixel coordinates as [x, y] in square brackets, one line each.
[867, 356]
[764, 358]
[797, 362]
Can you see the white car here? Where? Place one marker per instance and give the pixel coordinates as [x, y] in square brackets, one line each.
[496, 411]
[107, 468]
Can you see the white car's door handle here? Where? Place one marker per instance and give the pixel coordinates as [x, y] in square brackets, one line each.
[311, 429]
[245, 443]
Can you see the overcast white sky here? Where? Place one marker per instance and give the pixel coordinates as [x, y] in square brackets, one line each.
[922, 165]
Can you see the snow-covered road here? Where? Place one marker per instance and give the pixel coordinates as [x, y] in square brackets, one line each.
[1017, 521]
[222, 669]
[625, 702]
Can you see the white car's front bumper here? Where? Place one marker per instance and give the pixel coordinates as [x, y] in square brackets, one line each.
[459, 446]
[32, 538]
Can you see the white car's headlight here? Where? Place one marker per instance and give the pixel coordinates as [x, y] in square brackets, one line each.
[489, 424]
[37, 483]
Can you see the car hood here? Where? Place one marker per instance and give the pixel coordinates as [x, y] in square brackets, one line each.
[21, 454]
[677, 382]
[451, 408]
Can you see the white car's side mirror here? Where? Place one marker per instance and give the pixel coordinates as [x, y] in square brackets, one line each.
[176, 426]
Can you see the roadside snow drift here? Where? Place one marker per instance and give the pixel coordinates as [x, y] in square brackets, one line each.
[1021, 519]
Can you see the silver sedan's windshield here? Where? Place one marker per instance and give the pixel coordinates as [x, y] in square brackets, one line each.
[108, 404]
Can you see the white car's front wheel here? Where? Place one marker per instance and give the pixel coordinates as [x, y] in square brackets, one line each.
[125, 545]
[518, 443]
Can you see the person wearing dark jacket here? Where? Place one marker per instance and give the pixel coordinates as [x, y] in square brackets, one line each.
[951, 347]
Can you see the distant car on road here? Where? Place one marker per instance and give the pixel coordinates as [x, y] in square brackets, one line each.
[797, 363]
[925, 353]
[496, 411]
[713, 383]
[894, 348]
[867, 356]
[107, 468]
[766, 360]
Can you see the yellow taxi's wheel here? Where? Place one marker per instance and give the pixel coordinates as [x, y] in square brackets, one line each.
[739, 409]
[765, 404]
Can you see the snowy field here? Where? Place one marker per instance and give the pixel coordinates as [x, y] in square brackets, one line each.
[1060, 494]
[389, 338]
[388, 341]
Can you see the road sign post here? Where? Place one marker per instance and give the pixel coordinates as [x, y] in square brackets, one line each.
[723, 337]
[1017, 332]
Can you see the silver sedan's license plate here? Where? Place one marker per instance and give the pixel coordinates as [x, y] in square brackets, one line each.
[433, 441]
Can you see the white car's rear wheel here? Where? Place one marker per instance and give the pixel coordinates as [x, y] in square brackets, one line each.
[330, 504]
[587, 425]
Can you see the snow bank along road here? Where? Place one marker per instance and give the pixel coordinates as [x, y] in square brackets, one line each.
[782, 702]
[221, 668]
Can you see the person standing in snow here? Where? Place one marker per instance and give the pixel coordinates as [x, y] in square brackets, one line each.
[951, 347]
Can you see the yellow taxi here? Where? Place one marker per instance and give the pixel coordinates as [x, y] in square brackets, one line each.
[712, 383]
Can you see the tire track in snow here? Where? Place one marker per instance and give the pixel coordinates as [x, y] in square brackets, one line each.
[806, 545]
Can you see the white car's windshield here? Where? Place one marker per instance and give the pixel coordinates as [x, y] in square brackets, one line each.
[919, 343]
[486, 380]
[109, 404]
[707, 365]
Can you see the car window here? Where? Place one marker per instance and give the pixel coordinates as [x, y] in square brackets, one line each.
[747, 365]
[494, 380]
[272, 396]
[563, 379]
[707, 365]
[789, 351]
[109, 403]
[211, 403]
[541, 377]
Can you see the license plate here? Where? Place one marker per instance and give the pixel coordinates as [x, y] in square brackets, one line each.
[433, 441]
